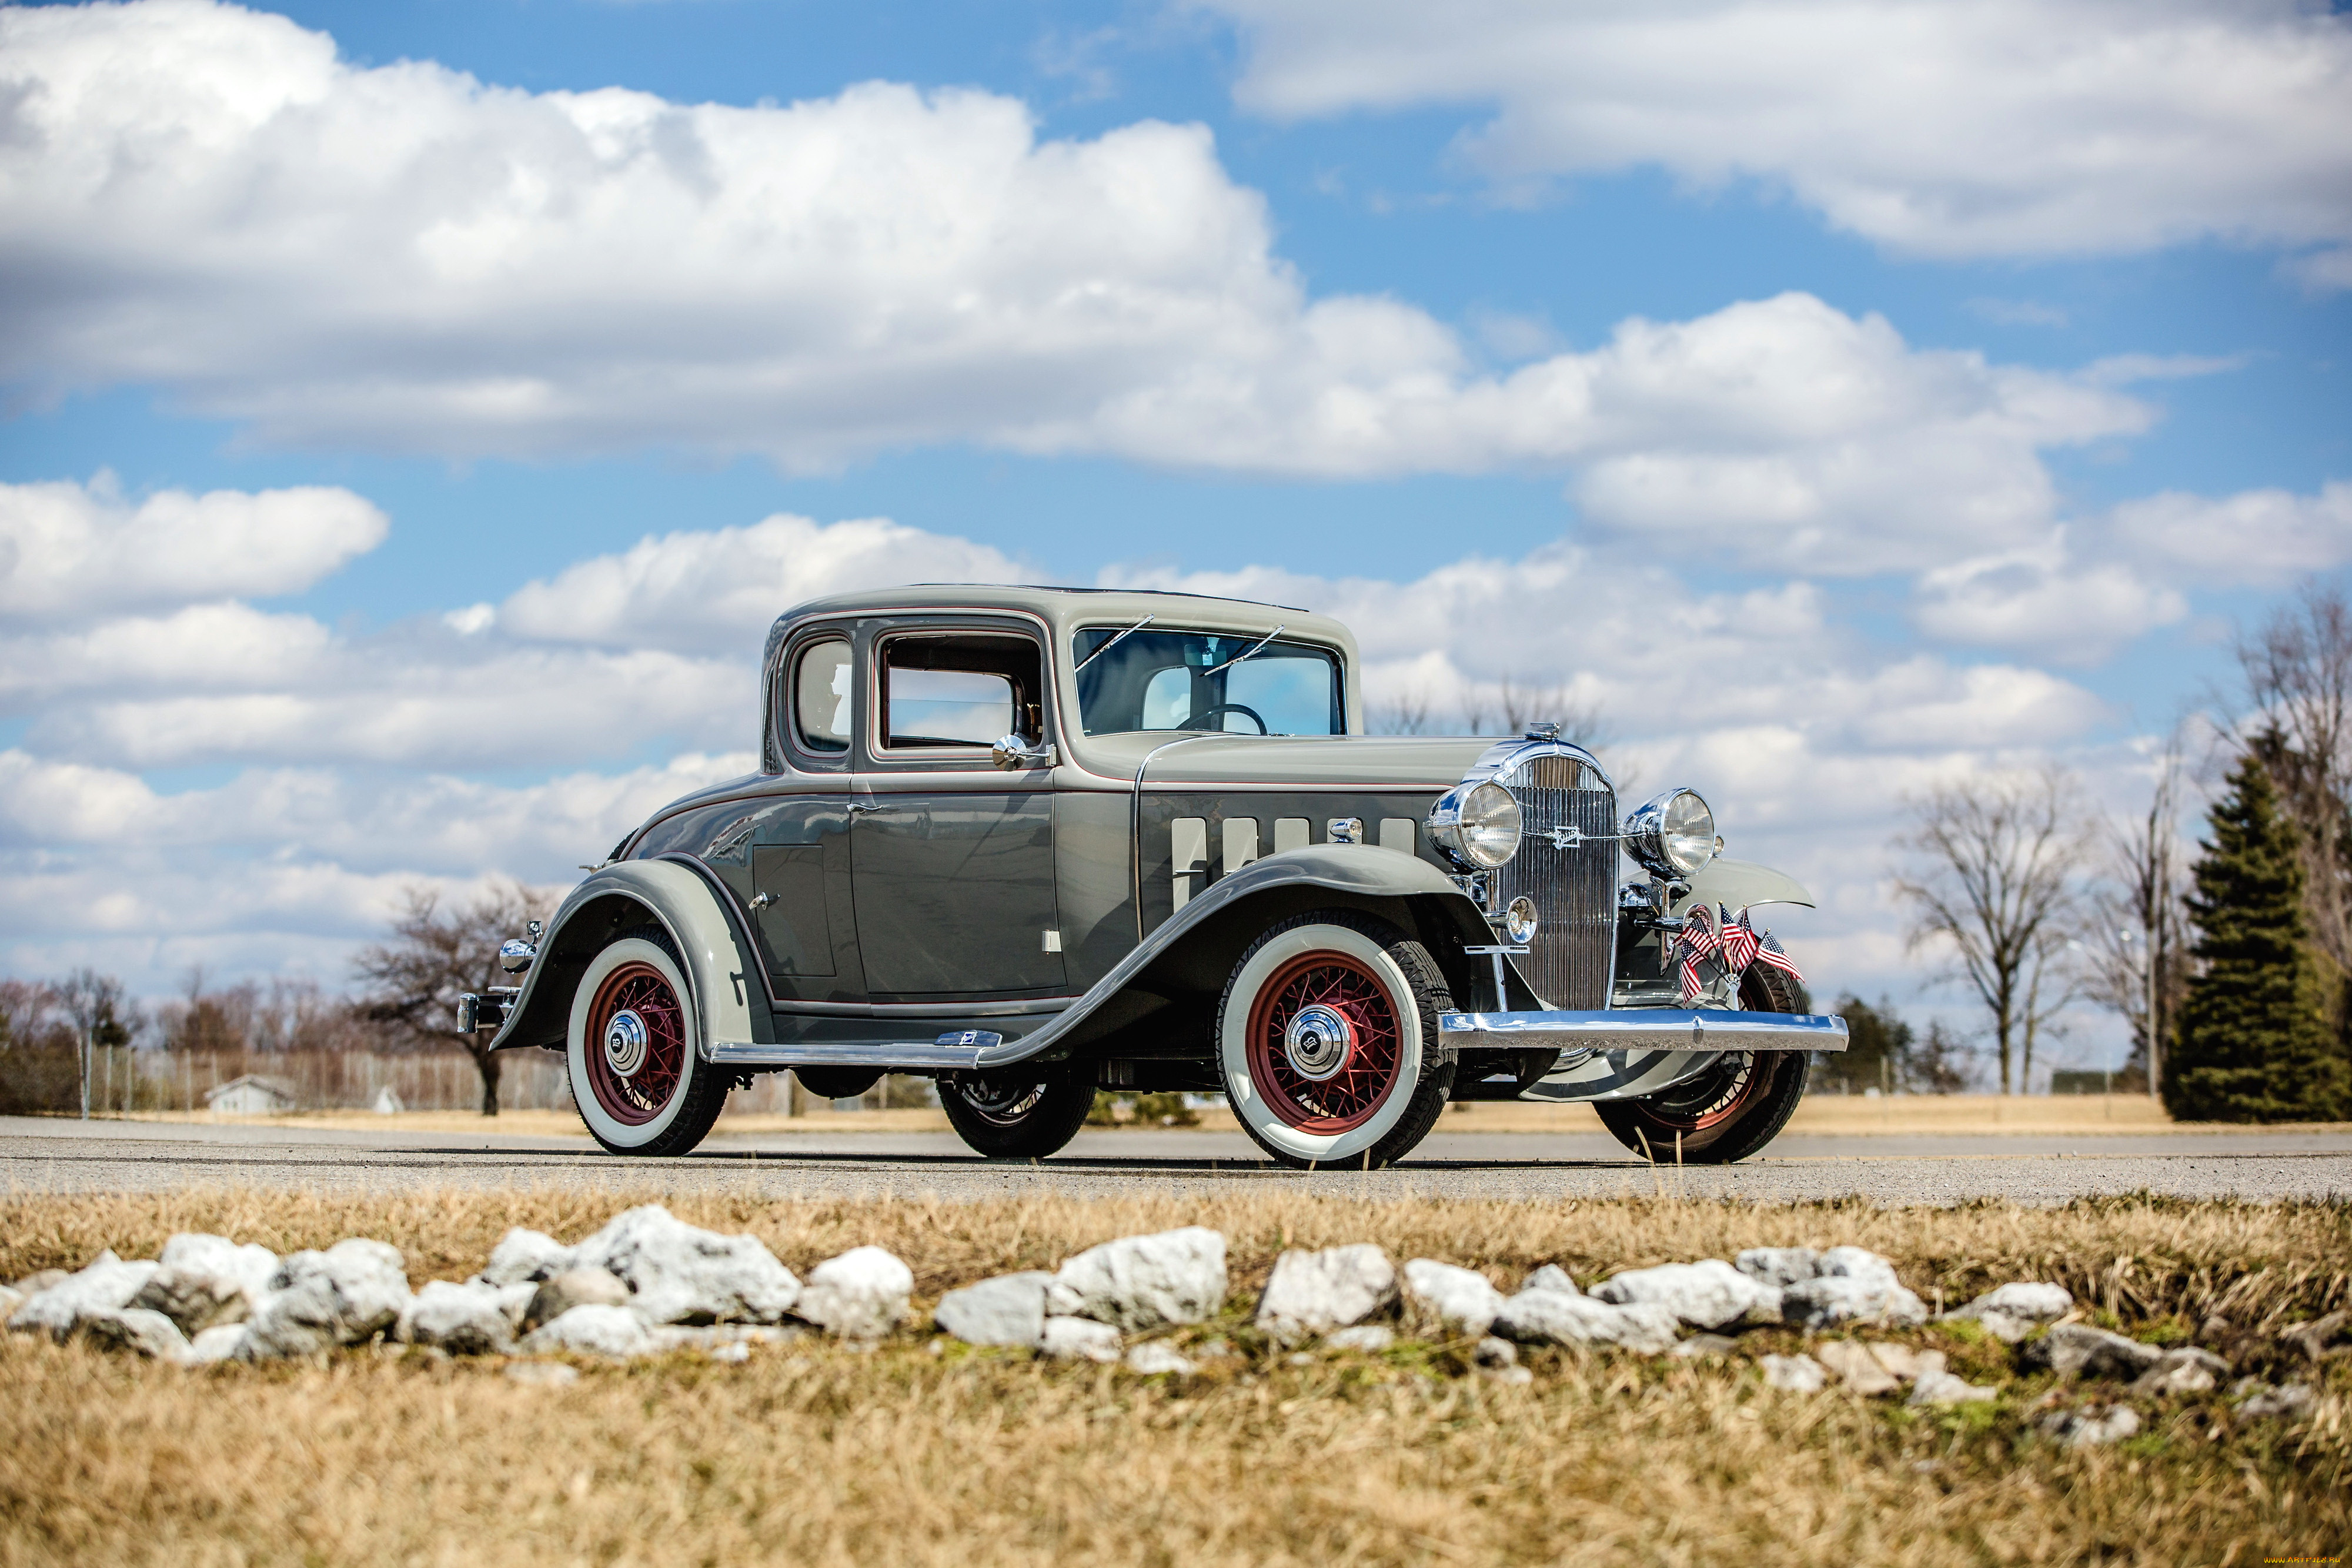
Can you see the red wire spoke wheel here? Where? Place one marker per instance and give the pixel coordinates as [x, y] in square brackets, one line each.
[1707, 1102]
[636, 1039]
[1324, 1044]
[1730, 1110]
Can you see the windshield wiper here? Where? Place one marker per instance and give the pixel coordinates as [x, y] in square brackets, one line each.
[1245, 653]
[1114, 643]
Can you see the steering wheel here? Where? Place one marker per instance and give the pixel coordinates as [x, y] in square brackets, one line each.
[1195, 721]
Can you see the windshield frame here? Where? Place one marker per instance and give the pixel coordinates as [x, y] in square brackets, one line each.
[1107, 640]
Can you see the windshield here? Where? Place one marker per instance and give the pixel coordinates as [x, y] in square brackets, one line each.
[1172, 680]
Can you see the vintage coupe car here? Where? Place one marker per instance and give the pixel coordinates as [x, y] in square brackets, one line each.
[1031, 842]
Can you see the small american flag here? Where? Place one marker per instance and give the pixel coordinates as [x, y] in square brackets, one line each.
[1732, 941]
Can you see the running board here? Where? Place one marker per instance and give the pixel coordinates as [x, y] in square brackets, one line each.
[1645, 1029]
[957, 1048]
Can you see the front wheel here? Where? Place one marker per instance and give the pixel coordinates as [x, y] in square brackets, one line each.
[1007, 1118]
[1730, 1110]
[634, 1050]
[1328, 1043]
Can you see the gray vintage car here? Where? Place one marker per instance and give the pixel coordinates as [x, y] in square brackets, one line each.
[1033, 843]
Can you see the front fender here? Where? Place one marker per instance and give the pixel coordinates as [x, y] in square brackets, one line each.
[1741, 883]
[720, 963]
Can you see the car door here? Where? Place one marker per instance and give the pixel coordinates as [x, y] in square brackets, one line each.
[952, 858]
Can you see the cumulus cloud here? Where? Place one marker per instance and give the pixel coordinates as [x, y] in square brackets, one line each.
[2256, 537]
[1942, 127]
[2040, 599]
[207, 200]
[69, 549]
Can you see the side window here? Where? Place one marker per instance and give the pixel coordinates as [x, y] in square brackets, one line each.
[959, 689]
[820, 697]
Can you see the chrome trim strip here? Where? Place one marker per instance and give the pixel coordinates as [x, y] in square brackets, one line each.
[1134, 820]
[1031, 1007]
[889, 1057]
[1649, 1029]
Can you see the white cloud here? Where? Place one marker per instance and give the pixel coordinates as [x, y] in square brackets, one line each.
[2257, 538]
[68, 549]
[2039, 598]
[1943, 127]
[207, 200]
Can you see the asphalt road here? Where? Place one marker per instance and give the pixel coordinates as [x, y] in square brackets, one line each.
[48, 1155]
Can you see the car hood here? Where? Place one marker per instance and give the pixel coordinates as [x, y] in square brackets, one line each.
[1308, 761]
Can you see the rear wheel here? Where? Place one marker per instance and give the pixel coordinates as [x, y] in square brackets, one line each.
[634, 1050]
[1328, 1043]
[1005, 1118]
[1730, 1110]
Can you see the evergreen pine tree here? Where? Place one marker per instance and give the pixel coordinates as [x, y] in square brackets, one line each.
[2255, 1044]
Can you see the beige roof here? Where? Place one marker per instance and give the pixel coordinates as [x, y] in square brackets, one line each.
[1064, 610]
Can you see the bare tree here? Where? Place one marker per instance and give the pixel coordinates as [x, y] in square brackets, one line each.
[2138, 942]
[434, 955]
[1407, 713]
[2298, 675]
[1992, 874]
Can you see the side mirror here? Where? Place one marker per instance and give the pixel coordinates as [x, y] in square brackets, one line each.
[1014, 753]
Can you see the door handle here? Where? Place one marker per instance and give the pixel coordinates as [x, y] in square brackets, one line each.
[859, 807]
[761, 901]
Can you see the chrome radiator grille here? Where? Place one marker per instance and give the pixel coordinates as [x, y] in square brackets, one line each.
[1575, 890]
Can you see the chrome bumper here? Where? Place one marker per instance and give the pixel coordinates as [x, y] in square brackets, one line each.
[1644, 1028]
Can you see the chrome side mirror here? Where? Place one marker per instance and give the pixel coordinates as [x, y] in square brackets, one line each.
[1014, 753]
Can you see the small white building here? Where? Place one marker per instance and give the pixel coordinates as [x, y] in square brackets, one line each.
[250, 1096]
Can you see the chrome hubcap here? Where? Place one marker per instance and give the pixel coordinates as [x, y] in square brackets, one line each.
[627, 1041]
[1317, 1043]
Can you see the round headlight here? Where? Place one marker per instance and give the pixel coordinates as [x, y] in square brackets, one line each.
[1672, 834]
[1477, 827]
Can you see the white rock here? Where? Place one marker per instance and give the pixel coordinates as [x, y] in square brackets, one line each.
[1703, 1344]
[515, 1302]
[525, 1257]
[139, 1329]
[615, 1331]
[568, 1288]
[2025, 1299]
[1796, 1374]
[1550, 1277]
[1312, 1293]
[1906, 1364]
[2090, 1428]
[2288, 1400]
[1370, 1339]
[354, 1289]
[1779, 1267]
[1152, 1359]
[1007, 1309]
[464, 1320]
[1945, 1388]
[543, 1374]
[861, 1295]
[681, 1273]
[1492, 1353]
[2080, 1349]
[1462, 1300]
[1863, 1290]
[107, 1285]
[1709, 1294]
[11, 1299]
[1143, 1282]
[217, 1343]
[1856, 1367]
[1079, 1339]
[202, 1279]
[1858, 1263]
[1556, 1318]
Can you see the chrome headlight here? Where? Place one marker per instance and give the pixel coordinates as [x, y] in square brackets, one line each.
[1673, 834]
[1477, 825]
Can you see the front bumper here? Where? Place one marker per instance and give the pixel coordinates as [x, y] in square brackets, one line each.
[1644, 1029]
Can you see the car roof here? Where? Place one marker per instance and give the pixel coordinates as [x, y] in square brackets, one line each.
[1064, 610]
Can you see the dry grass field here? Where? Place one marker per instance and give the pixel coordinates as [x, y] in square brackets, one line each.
[926, 1453]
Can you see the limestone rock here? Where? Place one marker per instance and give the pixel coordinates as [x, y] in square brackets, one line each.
[2008, 1312]
[515, 1302]
[1462, 1301]
[1493, 1354]
[1796, 1374]
[11, 1299]
[218, 1342]
[1152, 1359]
[1007, 1309]
[1944, 1388]
[524, 1257]
[1370, 1339]
[202, 1279]
[1906, 1364]
[352, 1292]
[1709, 1294]
[2080, 1349]
[860, 1295]
[1312, 1293]
[2289, 1401]
[614, 1331]
[1550, 1277]
[1850, 1285]
[1856, 1367]
[2091, 1428]
[464, 1320]
[33, 1284]
[569, 1288]
[681, 1273]
[1540, 1317]
[107, 1285]
[139, 1329]
[2185, 1370]
[1079, 1339]
[1140, 1283]
[1779, 1267]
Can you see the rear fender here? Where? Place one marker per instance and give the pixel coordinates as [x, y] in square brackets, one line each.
[720, 963]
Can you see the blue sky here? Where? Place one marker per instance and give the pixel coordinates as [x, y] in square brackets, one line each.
[1951, 379]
